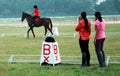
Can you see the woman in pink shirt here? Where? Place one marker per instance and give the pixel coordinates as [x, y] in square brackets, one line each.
[99, 38]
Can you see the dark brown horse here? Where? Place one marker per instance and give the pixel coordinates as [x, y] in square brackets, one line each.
[41, 22]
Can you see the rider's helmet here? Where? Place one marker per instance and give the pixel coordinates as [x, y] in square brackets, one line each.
[35, 6]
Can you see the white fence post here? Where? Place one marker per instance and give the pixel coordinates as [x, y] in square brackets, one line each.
[2, 35]
[11, 59]
[108, 60]
[64, 59]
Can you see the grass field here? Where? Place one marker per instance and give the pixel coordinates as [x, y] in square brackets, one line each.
[68, 46]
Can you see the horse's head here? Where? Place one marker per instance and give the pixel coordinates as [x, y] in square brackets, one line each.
[23, 16]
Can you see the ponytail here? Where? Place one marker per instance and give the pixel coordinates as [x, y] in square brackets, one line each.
[86, 24]
[83, 14]
[98, 16]
[100, 19]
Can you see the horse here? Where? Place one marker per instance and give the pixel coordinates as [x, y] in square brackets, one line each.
[41, 22]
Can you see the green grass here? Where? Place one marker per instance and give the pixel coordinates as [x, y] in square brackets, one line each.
[60, 70]
[68, 46]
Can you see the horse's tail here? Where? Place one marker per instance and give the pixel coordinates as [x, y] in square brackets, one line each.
[51, 23]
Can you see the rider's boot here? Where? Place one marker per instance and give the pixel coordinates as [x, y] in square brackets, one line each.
[33, 22]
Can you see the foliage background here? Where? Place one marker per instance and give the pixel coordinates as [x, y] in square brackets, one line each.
[13, 8]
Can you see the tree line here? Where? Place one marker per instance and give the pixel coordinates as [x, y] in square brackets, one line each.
[14, 8]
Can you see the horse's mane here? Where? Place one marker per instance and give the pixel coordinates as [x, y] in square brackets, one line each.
[27, 14]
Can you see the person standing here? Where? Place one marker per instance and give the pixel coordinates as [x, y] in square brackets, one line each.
[99, 38]
[84, 29]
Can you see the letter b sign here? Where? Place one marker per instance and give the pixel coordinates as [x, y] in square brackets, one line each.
[50, 53]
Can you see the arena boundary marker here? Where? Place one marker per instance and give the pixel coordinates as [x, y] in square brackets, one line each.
[2, 35]
[73, 34]
[11, 59]
[25, 35]
[109, 60]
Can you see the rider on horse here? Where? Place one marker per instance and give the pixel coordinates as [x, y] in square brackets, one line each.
[36, 13]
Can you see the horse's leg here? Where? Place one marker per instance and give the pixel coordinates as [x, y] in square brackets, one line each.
[28, 33]
[33, 32]
[45, 31]
[50, 30]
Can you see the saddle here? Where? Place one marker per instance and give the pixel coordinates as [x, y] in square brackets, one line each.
[37, 19]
